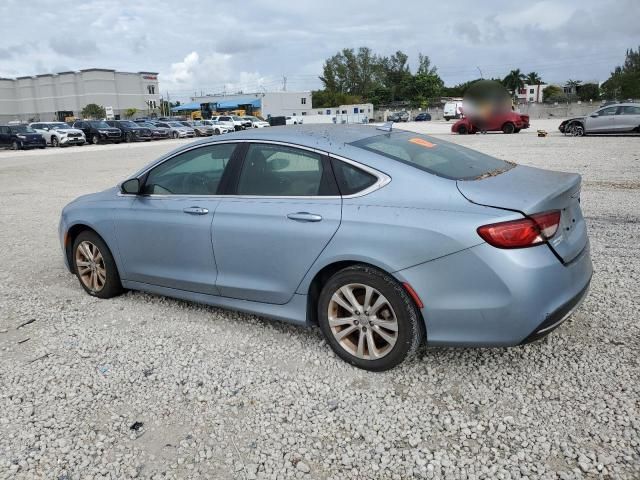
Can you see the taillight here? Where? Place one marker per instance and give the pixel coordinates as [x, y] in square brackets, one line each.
[527, 232]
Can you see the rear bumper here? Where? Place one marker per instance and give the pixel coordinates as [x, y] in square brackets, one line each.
[484, 296]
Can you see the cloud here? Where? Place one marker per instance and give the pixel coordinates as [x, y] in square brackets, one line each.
[196, 48]
[69, 46]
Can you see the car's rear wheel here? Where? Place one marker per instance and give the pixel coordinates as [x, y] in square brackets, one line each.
[462, 130]
[54, 141]
[508, 128]
[368, 318]
[94, 266]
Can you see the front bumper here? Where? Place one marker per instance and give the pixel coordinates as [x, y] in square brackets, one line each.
[72, 141]
[485, 296]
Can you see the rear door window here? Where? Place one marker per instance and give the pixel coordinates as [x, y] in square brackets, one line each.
[435, 156]
[281, 171]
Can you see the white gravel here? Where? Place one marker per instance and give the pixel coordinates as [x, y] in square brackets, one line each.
[150, 387]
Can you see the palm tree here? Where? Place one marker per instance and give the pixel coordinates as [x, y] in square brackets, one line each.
[514, 81]
[533, 78]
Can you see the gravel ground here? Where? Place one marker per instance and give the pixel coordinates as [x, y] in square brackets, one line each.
[150, 387]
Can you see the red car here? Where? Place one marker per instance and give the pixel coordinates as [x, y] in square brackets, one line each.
[508, 122]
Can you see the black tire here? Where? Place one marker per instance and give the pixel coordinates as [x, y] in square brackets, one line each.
[462, 130]
[508, 128]
[409, 321]
[128, 137]
[577, 130]
[517, 130]
[95, 139]
[15, 145]
[216, 131]
[447, 118]
[112, 286]
[54, 141]
[175, 135]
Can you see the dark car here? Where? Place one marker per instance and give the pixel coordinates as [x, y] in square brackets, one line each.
[422, 117]
[18, 137]
[131, 131]
[98, 131]
[157, 133]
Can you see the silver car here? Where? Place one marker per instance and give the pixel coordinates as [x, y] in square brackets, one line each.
[59, 134]
[618, 118]
[178, 130]
[386, 240]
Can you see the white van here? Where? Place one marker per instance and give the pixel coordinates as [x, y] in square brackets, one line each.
[452, 110]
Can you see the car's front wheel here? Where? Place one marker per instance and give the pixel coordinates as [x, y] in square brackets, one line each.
[369, 319]
[54, 141]
[95, 267]
[95, 139]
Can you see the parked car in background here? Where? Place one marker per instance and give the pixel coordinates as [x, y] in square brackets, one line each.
[507, 122]
[59, 134]
[98, 131]
[293, 121]
[617, 118]
[178, 130]
[476, 251]
[399, 117]
[201, 128]
[452, 110]
[422, 117]
[219, 128]
[19, 137]
[131, 131]
[227, 121]
[256, 122]
[157, 133]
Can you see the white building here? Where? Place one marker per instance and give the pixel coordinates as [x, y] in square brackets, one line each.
[264, 104]
[531, 93]
[56, 96]
[354, 113]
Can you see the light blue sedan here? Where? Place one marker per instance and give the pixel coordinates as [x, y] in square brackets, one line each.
[386, 240]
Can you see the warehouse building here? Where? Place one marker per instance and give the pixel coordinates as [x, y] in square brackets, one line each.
[265, 104]
[54, 97]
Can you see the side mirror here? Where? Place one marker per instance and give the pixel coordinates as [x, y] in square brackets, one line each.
[131, 186]
[594, 115]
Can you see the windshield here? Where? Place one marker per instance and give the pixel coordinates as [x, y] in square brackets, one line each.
[147, 125]
[58, 126]
[98, 124]
[237, 119]
[176, 124]
[435, 156]
[128, 123]
[23, 129]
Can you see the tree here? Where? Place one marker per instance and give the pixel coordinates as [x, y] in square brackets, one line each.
[624, 82]
[553, 93]
[130, 112]
[532, 78]
[589, 91]
[93, 110]
[514, 81]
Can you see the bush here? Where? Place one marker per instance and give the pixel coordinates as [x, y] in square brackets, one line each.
[93, 110]
[553, 94]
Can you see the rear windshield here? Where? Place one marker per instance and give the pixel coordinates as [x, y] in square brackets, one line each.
[435, 156]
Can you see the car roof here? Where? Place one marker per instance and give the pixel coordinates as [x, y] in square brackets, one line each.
[326, 137]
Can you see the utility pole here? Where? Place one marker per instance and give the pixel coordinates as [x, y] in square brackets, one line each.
[284, 83]
[480, 72]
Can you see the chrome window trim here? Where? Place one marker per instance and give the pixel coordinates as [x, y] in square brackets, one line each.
[382, 178]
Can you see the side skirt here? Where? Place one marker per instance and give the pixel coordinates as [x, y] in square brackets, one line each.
[295, 311]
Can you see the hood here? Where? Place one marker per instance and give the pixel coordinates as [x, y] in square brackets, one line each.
[96, 197]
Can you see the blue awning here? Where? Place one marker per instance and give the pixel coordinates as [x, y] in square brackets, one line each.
[186, 106]
[251, 101]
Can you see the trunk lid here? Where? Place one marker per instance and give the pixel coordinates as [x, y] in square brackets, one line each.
[531, 190]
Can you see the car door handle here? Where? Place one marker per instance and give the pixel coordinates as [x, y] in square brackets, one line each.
[304, 217]
[196, 210]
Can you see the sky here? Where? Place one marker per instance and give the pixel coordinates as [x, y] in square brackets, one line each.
[212, 47]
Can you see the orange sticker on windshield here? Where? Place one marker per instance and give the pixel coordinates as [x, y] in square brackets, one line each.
[422, 143]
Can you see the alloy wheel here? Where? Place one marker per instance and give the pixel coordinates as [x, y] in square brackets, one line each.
[91, 266]
[54, 141]
[362, 321]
